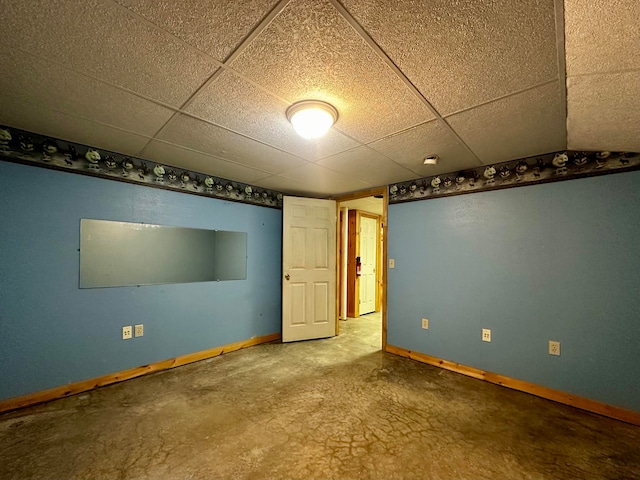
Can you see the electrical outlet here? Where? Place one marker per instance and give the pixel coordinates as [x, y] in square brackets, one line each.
[425, 323]
[392, 263]
[486, 335]
[126, 332]
[138, 330]
[554, 348]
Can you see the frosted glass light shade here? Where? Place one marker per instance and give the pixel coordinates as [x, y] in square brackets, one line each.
[312, 118]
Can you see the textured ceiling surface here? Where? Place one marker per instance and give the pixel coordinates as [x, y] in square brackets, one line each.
[204, 85]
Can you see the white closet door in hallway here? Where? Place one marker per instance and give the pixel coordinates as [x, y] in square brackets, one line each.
[369, 260]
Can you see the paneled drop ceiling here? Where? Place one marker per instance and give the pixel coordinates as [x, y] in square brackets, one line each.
[204, 85]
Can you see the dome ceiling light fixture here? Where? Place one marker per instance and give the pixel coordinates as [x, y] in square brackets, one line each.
[312, 118]
[431, 160]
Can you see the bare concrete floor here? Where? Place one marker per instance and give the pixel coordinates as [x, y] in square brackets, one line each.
[332, 409]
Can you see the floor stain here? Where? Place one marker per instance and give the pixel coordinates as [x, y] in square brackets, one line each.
[327, 409]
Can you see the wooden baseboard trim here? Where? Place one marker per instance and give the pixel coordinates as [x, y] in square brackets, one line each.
[86, 385]
[540, 391]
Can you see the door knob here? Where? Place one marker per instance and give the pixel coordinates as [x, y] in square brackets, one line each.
[287, 276]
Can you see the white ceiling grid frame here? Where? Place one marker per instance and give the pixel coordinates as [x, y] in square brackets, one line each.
[89, 36]
[382, 54]
[603, 74]
[58, 124]
[241, 169]
[166, 153]
[222, 155]
[143, 37]
[562, 62]
[92, 124]
[238, 105]
[218, 74]
[226, 66]
[36, 40]
[409, 148]
[368, 165]
[39, 81]
[541, 129]
[208, 138]
[312, 179]
[191, 22]
[375, 16]
[309, 51]
[243, 44]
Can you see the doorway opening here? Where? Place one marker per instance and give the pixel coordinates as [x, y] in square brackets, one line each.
[362, 257]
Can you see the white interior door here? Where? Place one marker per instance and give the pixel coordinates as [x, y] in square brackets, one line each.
[308, 268]
[369, 260]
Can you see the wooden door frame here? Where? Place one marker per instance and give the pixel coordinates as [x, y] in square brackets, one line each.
[353, 250]
[383, 223]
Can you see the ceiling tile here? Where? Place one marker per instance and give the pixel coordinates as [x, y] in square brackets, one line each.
[601, 35]
[604, 112]
[460, 54]
[309, 51]
[210, 139]
[242, 107]
[35, 118]
[90, 37]
[315, 180]
[171, 155]
[47, 84]
[523, 125]
[291, 187]
[216, 28]
[367, 165]
[433, 138]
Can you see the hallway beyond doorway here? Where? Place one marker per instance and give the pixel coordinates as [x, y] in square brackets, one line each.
[366, 328]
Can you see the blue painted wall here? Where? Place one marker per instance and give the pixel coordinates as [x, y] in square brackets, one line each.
[52, 333]
[557, 261]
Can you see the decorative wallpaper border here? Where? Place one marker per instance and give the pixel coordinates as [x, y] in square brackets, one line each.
[552, 167]
[24, 147]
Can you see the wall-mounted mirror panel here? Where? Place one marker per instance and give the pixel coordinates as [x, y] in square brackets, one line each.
[116, 254]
